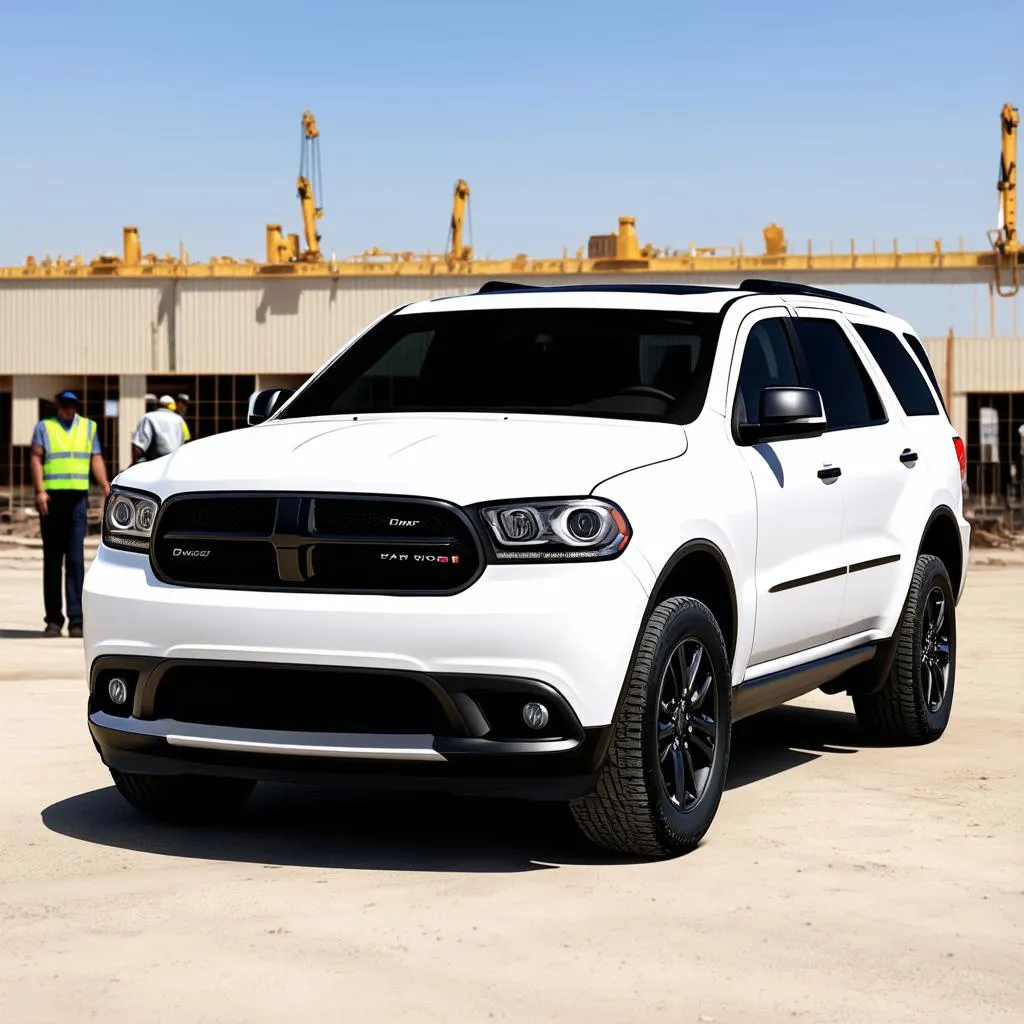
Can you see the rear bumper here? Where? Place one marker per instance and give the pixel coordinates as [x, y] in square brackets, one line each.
[965, 548]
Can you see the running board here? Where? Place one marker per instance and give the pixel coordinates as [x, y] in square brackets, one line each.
[755, 695]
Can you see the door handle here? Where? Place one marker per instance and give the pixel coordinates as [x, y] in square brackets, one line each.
[907, 457]
[829, 473]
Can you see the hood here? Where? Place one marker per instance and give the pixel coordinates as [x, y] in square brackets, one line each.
[461, 458]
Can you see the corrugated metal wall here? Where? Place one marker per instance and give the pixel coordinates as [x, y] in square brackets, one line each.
[248, 326]
[85, 327]
[980, 364]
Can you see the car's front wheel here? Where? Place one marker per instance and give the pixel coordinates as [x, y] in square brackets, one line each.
[183, 798]
[664, 774]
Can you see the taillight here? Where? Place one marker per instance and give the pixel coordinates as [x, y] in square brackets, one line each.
[961, 456]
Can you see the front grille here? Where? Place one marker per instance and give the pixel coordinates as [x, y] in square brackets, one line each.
[298, 699]
[332, 544]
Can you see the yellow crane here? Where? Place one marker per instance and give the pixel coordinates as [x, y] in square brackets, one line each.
[309, 185]
[457, 252]
[1005, 240]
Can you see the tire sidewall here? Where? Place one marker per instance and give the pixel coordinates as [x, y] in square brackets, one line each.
[935, 576]
[690, 620]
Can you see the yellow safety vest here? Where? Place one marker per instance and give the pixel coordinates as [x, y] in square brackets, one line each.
[66, 462]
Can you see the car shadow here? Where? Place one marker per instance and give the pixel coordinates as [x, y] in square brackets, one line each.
[327, 828]
[316, 827]
[786, 737]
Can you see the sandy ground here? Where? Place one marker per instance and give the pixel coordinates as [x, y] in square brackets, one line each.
[838, 883]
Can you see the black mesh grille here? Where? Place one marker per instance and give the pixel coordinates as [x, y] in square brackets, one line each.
[299, 699]
[244, 515]
[309, 543]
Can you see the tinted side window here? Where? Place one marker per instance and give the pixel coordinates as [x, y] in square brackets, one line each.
[849, 397]
[922, 357]
[900, 370]
[767, 363]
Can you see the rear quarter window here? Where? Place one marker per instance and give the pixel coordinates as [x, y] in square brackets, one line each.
[900, 369]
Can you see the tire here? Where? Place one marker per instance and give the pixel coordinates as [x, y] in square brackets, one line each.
[183, 798]
[909, 708]
[633, 808]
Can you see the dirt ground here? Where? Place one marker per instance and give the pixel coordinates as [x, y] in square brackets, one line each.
[838, 882]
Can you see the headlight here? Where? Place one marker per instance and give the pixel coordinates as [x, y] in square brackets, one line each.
[128, 520]
[564, 530]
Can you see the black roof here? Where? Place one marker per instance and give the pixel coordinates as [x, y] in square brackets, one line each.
[758, 285]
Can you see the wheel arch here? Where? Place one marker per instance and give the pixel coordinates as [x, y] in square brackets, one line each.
[700, 570]
[941, 537]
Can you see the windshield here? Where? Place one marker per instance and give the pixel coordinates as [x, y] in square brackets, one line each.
[628, 364]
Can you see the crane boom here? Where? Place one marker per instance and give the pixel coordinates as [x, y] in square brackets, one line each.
[309, 185]
[1007, 186]
[1005, 239]
[460, 201]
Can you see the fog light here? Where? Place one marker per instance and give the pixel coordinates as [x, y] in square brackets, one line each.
[535, 715]
[118, 690]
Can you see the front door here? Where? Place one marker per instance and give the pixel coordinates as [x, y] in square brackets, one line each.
[799, 567]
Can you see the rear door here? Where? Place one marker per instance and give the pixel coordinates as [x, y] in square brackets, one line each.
[874, 450]
[799, 567]
[898, 357]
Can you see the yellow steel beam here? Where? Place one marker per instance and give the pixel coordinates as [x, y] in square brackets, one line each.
[860, 265]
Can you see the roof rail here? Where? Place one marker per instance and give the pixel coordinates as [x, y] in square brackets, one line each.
[652, 288]
[754, 284]
[503, 286]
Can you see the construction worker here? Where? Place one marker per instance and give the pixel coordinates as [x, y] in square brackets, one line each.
[159, 432]
[181, 404]
[64, 448]
[150, 400]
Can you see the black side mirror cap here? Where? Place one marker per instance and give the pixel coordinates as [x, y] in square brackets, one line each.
[786, 413]
[263, 404]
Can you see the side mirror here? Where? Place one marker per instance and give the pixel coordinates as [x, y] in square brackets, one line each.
[786, 413]
[263, 404]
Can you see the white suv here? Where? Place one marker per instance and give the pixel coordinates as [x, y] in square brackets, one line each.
[538, 542]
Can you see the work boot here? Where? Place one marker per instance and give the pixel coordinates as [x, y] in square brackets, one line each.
[51, 630]
[75, 631]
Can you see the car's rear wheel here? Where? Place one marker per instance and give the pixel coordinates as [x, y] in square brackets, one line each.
[663, 777]
[914, 703]
[183, 798]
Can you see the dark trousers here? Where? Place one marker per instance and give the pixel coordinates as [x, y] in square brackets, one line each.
[63, 529]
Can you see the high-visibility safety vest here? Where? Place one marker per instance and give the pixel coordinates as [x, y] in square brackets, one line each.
[68, 455]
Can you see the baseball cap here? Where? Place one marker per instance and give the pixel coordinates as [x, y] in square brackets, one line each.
[67, 396]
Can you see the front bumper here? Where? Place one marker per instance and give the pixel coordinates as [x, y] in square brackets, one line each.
[468, 752]
[560, 634]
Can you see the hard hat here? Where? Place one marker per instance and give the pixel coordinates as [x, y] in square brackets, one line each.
[167, 401]
[67, 396]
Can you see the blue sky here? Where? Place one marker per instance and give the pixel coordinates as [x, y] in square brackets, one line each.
[703, 120]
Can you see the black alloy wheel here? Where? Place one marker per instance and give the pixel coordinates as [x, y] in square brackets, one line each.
[662, 779]
[935, 650]
[687, 723]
